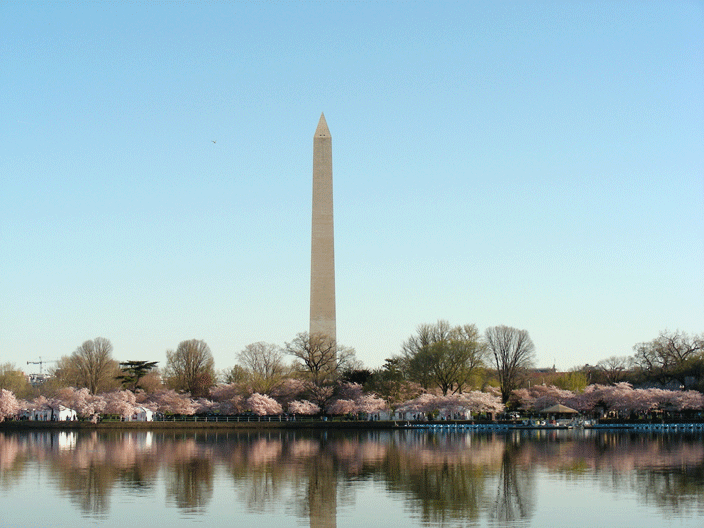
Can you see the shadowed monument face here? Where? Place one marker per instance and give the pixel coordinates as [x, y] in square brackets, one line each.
[322, 267]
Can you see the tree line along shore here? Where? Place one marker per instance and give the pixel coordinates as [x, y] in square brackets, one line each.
[442, 372]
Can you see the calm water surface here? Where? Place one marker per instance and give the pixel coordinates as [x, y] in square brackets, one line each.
[400, 478]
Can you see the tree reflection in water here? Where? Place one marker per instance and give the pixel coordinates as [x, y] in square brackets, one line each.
[88, 470]
[515, 499]
[190, 484]
[442, 478]
[13, 460]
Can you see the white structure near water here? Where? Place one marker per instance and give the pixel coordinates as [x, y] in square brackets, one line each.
[142, 414]
[50, 413]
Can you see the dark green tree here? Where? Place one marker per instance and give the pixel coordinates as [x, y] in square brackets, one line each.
[133, 371]
[390, 382]
[360, 376]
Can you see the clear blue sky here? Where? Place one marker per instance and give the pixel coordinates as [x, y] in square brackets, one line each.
[533, 164]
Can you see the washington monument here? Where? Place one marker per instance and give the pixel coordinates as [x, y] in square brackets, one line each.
[322, 257]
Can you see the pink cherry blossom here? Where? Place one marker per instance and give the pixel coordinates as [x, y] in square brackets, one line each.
[9, 406]
[42, 403]
[204, 405]
[82, 401]
[291, 389]
[122, 403]
[474, 401]
[371, 403]
[342, 407]
[303, 407]
[228, 398]
[482, 402]
[623, 398]
[351, 399]
[539, 397]
[263, 405]
[349, 391]
[424, 403]
[225, 392]
[169, 401]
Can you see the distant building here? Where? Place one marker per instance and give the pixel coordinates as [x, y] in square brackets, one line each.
[37, 379]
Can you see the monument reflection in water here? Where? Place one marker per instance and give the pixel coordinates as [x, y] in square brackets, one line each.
[400, 478]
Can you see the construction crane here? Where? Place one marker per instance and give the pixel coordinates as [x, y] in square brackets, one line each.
[41, 364]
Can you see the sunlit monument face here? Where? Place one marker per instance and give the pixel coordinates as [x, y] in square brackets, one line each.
[322, 269]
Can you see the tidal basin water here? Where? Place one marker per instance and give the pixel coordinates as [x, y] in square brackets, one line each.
[366, 478]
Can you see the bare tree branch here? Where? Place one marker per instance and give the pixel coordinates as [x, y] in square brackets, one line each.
[513, 353]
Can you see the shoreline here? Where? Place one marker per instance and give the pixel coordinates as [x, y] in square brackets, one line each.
[332, 425]
[205, 425]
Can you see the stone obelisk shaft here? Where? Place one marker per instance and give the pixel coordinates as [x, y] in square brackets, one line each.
[322, 262]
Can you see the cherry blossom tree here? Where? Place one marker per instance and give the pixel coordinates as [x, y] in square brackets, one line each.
[349, 391]
[289, 390]
[225, 391]
[42, 402]
[263, 405]
[170, 401]
[82, 401]
[24, 404]
[351, 399]
[235, 405]
[470, 402]
[482, 402]
[122, 403]
[622, 398]
[39, 402]
[342, 407]
[303, 407]
[425, 403]
[451, 405]
[9, 406]
[588, 400]
[474, 401]
[228, 398]
[539, 397]
[371, 404]
[681, 400]
[320, 394]
[206, 406]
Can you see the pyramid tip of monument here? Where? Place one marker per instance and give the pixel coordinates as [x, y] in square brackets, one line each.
[322, 129]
